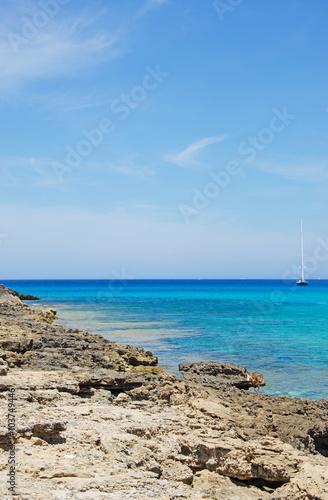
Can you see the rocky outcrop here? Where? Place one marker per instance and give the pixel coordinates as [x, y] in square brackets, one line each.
[311, 482]
[215, 374]
[267, 458]
[84, 429]
[301, 423]
[24, 296]
[4, 291]
[94, 437]
[36, 341]
[9, 296]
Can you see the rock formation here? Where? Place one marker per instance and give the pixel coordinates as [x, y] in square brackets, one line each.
[88, 427]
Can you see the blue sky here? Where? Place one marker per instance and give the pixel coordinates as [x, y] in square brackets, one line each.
[163, 138]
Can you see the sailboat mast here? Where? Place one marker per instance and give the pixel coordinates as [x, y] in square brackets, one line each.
[302, 246]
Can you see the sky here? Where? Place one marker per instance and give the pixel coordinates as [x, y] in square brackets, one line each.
[163, 138]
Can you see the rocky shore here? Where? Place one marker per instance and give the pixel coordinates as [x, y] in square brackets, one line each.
[86, 418]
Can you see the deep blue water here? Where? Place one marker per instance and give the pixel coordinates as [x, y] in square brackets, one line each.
[270, 326]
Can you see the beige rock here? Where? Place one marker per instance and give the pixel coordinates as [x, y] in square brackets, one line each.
[211, 408]
[164, 438]
[311, 482]
[3, 368]
[122, 398]
[216, 487]
[176, 471]
[266, 458]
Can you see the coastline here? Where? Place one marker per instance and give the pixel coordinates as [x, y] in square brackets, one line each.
[95, 419]
[195, 320]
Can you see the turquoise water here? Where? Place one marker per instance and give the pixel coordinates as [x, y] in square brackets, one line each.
[270, 326]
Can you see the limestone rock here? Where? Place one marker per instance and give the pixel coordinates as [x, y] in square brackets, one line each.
[216, 374]
[3, 367]
[216, 487]
[24, 296]
[176, 471]
[310, 483]
[9, 296]
[35, 341]
[122, 398]
[267, 458]
[89, 426]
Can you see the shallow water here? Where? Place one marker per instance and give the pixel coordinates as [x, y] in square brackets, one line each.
[270, 326]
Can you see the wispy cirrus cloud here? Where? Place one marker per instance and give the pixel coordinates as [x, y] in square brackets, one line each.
[140, 172]
[150, 5]
[61, 48]
[126, 167]
[310, 170]
[187, 157]
[51, 55]
[25, 170]
[39, 172]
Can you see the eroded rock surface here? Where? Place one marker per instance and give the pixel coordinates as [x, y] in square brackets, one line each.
[88, 431]
[36, 341]
[215, 374]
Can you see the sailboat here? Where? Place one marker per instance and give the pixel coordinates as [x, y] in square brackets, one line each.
[302, 281]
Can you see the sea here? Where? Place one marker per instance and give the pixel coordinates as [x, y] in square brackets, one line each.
[270, 326]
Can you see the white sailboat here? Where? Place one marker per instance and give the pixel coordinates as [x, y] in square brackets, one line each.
[302, 281]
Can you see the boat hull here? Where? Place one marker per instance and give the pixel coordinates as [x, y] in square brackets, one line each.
[302, 283]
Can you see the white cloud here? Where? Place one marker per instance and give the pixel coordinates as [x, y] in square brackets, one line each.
[134, 171]
[187, 157]
[39, 172]
[19, 170]
[150, 5]
[56, 49]
[127, 166]
[313, 171]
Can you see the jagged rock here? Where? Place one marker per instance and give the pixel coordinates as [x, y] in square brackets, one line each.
[24, 296]
[216, 374]
[266, 458]
[176, 471]
[90, 430]
[48, 430]
[50, 346]
[310, 483]
[5, 290]
[3, 367]
[140, 393]
[216, 487]
[32, 381]
[122, 398]
[9, 296]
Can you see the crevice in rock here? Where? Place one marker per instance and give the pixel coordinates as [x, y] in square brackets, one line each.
[321, 444]
[53, 439]
[261, 484]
